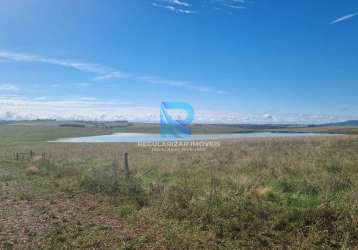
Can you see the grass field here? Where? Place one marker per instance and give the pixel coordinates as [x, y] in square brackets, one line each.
[248, 194]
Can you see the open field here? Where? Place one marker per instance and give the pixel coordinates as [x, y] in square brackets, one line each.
[247, 194]
[82, 127]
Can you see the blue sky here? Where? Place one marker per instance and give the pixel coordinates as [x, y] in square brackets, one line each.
[233, 60]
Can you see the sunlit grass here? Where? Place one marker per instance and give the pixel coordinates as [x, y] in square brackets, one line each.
[271, 193]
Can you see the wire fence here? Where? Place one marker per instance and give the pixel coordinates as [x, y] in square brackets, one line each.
[25, 156]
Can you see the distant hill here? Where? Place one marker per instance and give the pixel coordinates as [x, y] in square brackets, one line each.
[345, 123]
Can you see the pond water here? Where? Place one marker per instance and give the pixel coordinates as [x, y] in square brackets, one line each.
[141, 137]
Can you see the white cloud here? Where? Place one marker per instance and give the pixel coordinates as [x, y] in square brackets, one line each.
[85, 108]
[41, 98]
[269, 117]
[89, 67]
[206, 89]
[112, 75]
[178, 2]
[232, 4]
[174, 9]
[103, 72]
[181, 84]
[343, 18]
[9, 87]
[88, 108]
[158, 80]
[181, 6]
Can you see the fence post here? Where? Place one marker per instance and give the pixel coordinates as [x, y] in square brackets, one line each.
[126, 167]
[31, 154]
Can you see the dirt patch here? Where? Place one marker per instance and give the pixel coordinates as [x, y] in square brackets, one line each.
[31, 224]
[32, 170]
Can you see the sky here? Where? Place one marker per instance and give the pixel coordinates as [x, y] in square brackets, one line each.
[234, 61]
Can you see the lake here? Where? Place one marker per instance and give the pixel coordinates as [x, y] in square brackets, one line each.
[141, 137]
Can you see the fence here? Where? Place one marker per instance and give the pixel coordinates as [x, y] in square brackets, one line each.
[25, 156]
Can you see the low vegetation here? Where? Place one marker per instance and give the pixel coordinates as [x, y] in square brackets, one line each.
[248, 194]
